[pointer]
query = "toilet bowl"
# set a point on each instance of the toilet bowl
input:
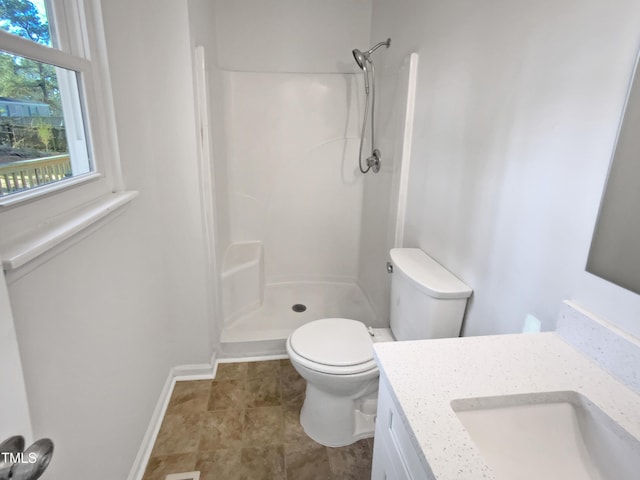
(335, 355)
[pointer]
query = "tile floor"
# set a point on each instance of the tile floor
(244, 425)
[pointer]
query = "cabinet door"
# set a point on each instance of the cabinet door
(388, 463)
(386, 466)
(394, 455)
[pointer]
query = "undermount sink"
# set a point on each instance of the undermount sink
(552, 435)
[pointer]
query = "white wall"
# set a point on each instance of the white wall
(516, 114)
(14, 414)
(291, 35)
(100, 325)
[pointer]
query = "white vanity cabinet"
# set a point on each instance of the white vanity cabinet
(394, 456)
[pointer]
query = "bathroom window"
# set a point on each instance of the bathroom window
(59, 169)
(43, 140)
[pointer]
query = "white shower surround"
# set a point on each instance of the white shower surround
(292, 146)
(286, 106)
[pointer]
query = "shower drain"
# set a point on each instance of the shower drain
(299, 307)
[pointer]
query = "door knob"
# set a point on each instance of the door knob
(16, 463)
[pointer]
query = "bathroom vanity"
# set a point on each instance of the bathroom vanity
(447, 407)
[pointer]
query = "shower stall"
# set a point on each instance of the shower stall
(281, 103)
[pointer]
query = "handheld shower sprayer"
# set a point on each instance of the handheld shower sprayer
(362, 59)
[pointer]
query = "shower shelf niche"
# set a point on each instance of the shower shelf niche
(242, 279)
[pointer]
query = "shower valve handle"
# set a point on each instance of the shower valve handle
(373, 162)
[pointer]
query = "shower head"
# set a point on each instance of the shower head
(362, 59)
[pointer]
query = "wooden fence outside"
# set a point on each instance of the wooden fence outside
(25, 174)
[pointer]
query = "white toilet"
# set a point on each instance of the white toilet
(335, 355)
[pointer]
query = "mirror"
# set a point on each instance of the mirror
(615, 247)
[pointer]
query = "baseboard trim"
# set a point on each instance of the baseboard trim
(182, 372)
(184, 476)
(204, 371)
(253, 358)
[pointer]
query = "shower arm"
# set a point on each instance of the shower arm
(386, 43)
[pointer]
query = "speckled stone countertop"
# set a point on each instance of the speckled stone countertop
(427, 375)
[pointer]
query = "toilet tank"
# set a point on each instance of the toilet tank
(427, 301)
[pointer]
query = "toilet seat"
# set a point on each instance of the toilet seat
(338, 346)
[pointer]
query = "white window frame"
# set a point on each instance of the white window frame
(31, 218)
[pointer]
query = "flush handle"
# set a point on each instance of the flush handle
(389, 267)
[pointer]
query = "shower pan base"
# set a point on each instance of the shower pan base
(264, 331)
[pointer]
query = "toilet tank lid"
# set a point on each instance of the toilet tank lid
(427, 274)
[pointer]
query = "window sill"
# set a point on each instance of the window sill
(74, 225)
(46, 190)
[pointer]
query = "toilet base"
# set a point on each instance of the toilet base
(336, 421)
